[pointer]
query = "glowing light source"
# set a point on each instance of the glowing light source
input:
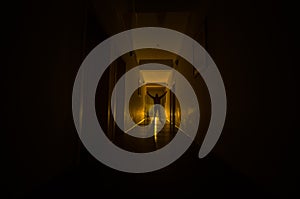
(155, 129)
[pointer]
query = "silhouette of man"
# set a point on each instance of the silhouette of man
(156, 100)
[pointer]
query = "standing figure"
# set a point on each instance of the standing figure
(157, 100)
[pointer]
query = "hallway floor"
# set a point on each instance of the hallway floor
(188, 177)
(157, 141)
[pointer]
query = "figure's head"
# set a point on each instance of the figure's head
(156, 95)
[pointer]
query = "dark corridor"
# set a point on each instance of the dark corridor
(252, 43)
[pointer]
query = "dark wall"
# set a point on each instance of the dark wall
(43, 53)
(254, 46)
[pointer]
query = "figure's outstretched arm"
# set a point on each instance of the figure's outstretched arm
(163, 95)
(150, 95)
